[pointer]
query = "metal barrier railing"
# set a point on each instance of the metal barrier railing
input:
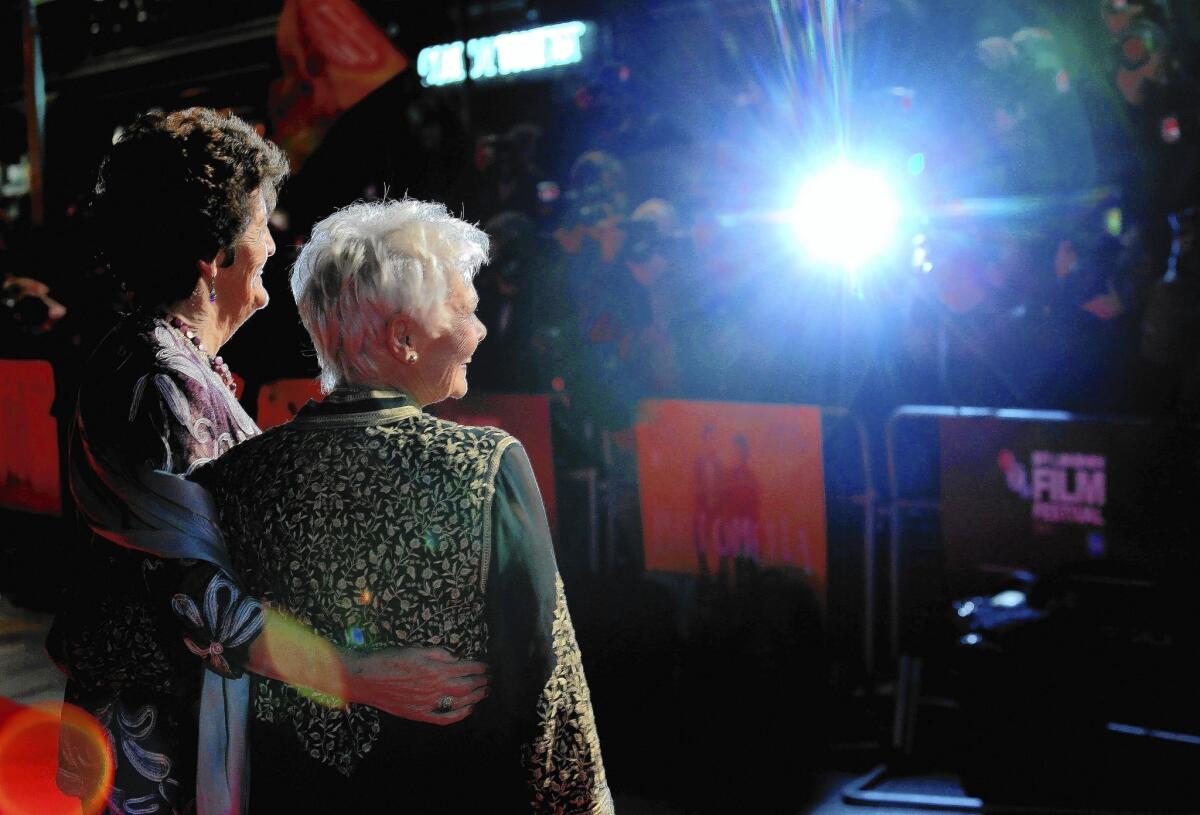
(848, 484)
(899, 502)
(866, 499)
(1001, 497)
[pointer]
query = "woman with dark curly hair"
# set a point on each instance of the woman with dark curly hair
(183, 201)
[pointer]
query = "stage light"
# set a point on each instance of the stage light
(846, 215)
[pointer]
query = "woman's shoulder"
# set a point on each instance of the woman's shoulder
(259, 456)
(174, 357)
(144, 378)
(481, 434)
(116, 369)
(140, 345)
(460, 445)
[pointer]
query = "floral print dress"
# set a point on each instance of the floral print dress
(135, 632)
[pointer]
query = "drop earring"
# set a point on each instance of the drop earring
(212, 290)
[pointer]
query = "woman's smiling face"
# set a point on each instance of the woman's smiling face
(240, 290)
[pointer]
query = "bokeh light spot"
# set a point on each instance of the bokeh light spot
(1113, 222)
(1171, 131)
(29, 749)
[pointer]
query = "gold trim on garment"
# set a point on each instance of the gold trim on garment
(564, 760)
(348, 394)
(493, 470)
(369, 418)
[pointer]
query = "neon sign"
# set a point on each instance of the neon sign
(514, 52)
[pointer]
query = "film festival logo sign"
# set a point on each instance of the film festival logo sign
(1063, 488)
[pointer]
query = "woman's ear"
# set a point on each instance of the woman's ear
(208, 268)
(396, 338)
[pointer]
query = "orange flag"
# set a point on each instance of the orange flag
(332, 56)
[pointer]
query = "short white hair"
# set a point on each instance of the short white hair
(372, 260)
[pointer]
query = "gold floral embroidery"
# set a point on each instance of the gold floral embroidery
(564, 762)
(373, 536)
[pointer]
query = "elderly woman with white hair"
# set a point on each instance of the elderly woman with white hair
(378, 524)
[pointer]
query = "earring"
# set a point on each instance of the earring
(212, 290)
(411, 358)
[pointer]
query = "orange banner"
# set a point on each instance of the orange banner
(721, 481)
(525, 416)
(332, 55)
(280, 400)
(29, 465)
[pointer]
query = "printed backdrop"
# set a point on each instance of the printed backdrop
(1038, 494)
(723, 480)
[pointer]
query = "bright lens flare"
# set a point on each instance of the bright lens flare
(846, 215)
(302, 659)
(31, 739)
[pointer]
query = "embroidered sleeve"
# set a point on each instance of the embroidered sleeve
(537, 673)
(565, 768)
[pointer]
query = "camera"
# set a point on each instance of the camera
(587, 205)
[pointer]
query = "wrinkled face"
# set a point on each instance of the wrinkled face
(445, 342)
(240, 290)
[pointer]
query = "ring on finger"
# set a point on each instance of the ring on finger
(445, 704)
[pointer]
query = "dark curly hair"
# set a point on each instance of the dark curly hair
(175, 189)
